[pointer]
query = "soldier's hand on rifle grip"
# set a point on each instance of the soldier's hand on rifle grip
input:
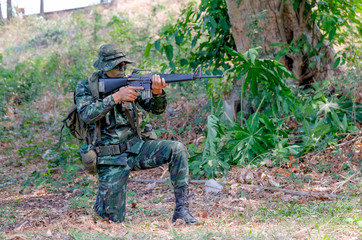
(128, 94)
(158, 84)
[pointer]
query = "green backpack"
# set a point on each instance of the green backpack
(76, 126)
(81, 131)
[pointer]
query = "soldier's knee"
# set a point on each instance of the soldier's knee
(179, 147)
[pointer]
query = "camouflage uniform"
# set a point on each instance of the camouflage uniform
(113, 171)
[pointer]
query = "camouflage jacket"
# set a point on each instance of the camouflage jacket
(115, 126)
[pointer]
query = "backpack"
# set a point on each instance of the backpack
(76, 126)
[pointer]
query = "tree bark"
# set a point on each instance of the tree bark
(2, 20)
(263, 22)
(41, 7)
(9, 9)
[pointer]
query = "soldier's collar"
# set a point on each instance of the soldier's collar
(102, 75)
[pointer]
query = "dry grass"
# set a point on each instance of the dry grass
(16, 38)
(39, 214)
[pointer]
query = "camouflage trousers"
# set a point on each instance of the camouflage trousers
(112, 187)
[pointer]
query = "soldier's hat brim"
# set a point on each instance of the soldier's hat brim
(109, 64)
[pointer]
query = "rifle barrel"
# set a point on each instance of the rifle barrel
(211, 76)
(170, 78)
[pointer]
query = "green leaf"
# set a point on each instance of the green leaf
(169, 52)
(331, 34)
(296, 5)
(193, 43)
(234, 53)
(184, 62)
(212, 139)
(247, 80)
(344, 123)
(179, 40)
(255, 122)
(276, 44)
(213, 22)
(253, 54)
(254, 84)
(148, 49)
(224, 24)
(307, 128)
(158, 45)
(336, 120)
(336, 63)
(319, 45)
(204, 3)
(359, 8)
(279, 55)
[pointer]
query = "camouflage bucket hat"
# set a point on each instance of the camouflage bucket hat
(110, 55)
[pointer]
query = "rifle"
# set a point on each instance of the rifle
(109, 85)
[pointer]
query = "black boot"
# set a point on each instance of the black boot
(182, 206)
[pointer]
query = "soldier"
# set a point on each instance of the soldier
(119, 147)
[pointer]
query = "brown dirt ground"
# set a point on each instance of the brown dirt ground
(50, 215)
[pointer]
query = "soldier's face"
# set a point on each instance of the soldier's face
(118, 71)
(122, 67)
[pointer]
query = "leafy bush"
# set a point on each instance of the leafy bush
(319, 118)
(198, 38)
(319, 115)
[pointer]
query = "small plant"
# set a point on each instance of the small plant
(355, 220)
(80, 202)
(131, 197)
(8, 214)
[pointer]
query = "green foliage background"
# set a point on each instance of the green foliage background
(323, 113)
(59, 54)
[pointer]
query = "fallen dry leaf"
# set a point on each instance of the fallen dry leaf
(179, 222)
(204, 214)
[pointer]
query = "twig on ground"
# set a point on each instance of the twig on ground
(332, 147)
(161, 181)
(344, 143)
(344, 182)
(257, 187)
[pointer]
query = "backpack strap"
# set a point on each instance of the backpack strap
(94, 88)
(61, 135)
(64, 121)
(134, 125)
